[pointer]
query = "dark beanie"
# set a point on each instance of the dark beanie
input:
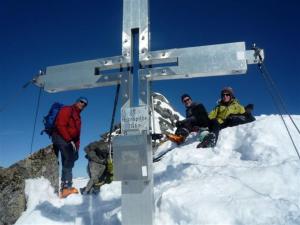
(228, 90)
(184, 96)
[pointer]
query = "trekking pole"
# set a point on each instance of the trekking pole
(113, 120)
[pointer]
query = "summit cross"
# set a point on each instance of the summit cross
(133, 149)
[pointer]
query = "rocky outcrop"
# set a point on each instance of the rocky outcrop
(167, 115)
(12, 182)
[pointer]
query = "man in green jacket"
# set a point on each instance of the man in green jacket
(227, 113)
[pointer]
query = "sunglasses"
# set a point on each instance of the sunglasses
(83, 102)
(226, 94)
(186, 100)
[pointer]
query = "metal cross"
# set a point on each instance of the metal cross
(132, 149)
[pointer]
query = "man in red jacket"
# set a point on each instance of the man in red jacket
(66, 138)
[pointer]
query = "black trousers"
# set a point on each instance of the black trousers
(215, 126)
(187, 126)
(68, 158)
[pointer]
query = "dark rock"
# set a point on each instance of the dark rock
(12, 182)
(168, 115)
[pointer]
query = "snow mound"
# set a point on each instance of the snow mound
(250, 177)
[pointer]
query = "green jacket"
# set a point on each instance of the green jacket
(222, 111)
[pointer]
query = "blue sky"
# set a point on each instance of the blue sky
(36, 34)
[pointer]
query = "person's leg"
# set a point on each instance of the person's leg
(234, 121)
(215, 127)
(68, 157)
(67, 164)
(210, 139)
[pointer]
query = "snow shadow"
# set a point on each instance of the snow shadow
(171, 173)
(91, 211)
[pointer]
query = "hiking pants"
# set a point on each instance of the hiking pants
(68, 157)
(215, 126)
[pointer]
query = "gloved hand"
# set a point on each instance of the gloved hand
(73, 146)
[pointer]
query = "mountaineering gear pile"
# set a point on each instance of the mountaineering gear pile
(110, 168)
(49, 119)
(100, 167)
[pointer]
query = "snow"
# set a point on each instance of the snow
(250, 177)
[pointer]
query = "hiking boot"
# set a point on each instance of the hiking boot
(208, 141)
(178, 139)
(65, 192)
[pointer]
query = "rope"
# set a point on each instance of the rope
(275, 94)
(279, 96)
(14, 97)
(113, 119)
(35, 119)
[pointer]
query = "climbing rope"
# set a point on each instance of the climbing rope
(276, 96)
(35, 119)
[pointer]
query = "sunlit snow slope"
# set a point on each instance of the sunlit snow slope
(251, 177)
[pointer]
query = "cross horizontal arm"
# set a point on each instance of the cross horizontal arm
(211, 60)
(81, 75)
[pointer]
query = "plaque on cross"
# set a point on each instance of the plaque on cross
(132, 149)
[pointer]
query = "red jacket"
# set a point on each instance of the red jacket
(68, 124)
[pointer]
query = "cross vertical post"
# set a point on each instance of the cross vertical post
(133, 149)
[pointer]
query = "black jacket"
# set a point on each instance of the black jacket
(196, 115)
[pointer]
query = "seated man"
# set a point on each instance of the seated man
(196, 116)
(97, 154)
(227, 113)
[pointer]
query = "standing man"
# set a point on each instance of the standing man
(66, 138)
(196, 117)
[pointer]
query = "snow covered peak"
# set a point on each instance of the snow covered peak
(250, 177)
